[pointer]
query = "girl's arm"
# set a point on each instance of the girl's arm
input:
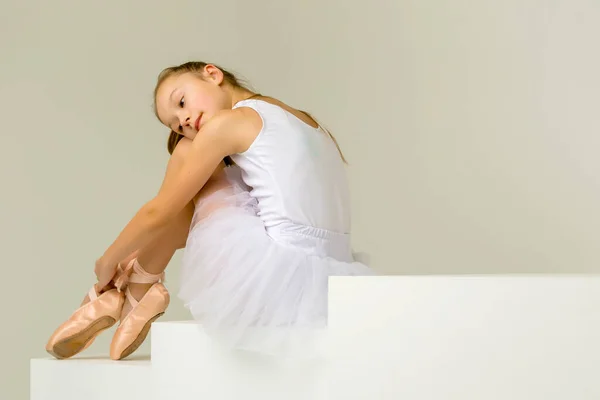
(227, 133)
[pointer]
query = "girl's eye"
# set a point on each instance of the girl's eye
(182, 102)
(180, 129)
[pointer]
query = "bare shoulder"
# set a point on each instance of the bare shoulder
(240, 126)
(183, 148)
(180, 153)
(235, 129)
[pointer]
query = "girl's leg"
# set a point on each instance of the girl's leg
(155, 257)
(153, 298)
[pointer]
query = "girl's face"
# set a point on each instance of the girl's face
(185, 102)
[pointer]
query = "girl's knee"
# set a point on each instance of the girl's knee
(181, 151)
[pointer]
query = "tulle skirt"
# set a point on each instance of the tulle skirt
(250, 291)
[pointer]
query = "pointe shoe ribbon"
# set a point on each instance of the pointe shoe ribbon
(135, 325)
(134, 273)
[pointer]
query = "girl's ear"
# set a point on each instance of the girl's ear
(213, 74)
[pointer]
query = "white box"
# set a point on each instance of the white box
(91, 378)
(188, 365)
(416, 337)
(465, 337)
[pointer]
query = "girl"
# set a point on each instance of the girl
(136, 308)
(263, 241)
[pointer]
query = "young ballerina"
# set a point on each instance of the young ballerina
(256, 269)
(102, 307)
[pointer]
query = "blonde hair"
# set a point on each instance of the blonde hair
(196, 67)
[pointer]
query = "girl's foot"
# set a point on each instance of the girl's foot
(146, 300)
(138, 291)
(97, 313)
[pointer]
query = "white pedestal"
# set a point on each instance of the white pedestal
(188, 365)
(389, 338)
(91, 379)
(465, 338)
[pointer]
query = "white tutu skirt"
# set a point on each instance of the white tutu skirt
(248, 290)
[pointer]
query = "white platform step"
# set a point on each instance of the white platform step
(417, 338)
(188, 365)
(85, 378)
(465, 337)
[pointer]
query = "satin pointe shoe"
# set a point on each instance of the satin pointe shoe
(134, 326)
(86, 323)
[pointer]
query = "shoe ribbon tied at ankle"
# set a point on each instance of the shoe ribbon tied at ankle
(134, 273)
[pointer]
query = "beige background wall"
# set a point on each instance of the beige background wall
(472, 130)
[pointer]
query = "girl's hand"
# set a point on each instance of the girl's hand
(104, 272)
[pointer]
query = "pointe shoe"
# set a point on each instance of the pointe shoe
(86, 323)
(134, 327)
